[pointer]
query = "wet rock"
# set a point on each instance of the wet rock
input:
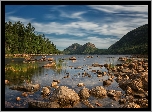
(106, 65)
(63, 95)
(54, 84)
(24, 94)
(106, 82)
(122, 101)
(84, 93)
(129, 90)
(18, 98)
(40, 104)
(6, 82)
(104, 73)
(122, 58)
(115, 95)
(143, 102)
(125, 65)
(132, 66)
(26, 87)
(98, 91)
(139, 95)
(87, 103)
(99, 75)
(72, 58)
(131, 105)
(95, 64)
(67, 76)
(45, 91)
(98, 104)
(99, 72)
(80, 84)
(136, 84)
(79, 67)
(111, 79)
(58, 81)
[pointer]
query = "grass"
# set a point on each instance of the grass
(23, 67)
(59, 65)
(18, 73)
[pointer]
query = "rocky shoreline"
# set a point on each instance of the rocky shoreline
(131, 75)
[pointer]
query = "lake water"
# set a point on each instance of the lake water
(45, 76)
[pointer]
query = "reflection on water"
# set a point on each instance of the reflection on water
(45, 76)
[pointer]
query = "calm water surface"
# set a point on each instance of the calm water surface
(45, 76)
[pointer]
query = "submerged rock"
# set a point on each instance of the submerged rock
(40, 104)
(26, 87)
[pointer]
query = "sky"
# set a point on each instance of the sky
(64, 25)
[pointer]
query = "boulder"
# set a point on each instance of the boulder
(98, 91)
(84, 93)
(65, 96)
(45, 91)
(26, 87)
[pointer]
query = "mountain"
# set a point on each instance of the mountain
(134, 42)
(76, 48)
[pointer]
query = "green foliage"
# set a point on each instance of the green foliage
(22, 39)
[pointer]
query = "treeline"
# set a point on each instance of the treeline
(21, 39)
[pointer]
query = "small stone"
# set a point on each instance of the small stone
(80, 84)
(18, 98)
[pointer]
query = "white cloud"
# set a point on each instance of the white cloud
(16, 19)
(120, 8)
(101, 43)
(76, 15)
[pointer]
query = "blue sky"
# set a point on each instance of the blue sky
(64, 25)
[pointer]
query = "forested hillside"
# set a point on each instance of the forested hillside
(134, 42)
(22, 39)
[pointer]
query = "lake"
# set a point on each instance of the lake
(45, 76)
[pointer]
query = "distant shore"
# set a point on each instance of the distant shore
(27, 55)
